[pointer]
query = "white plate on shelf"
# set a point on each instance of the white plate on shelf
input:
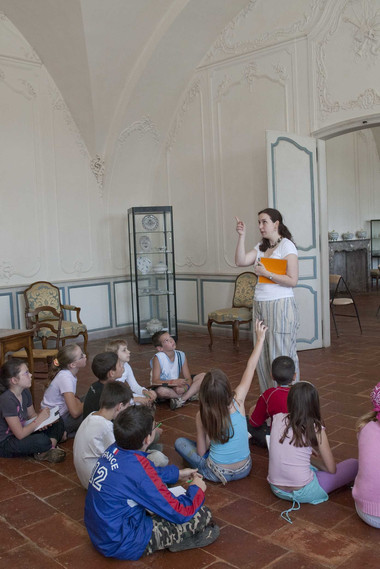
(144, 265)
(150, 222)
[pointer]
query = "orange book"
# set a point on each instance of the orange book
(277, 266)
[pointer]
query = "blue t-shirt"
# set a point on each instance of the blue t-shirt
(237, 448)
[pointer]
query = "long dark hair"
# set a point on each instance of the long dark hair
(283, 231)
(215, 398)
(10, 369)
(304, 417)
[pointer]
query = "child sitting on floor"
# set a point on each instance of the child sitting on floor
(95, 434)
(62, 388)
(16, 407)
(302, 468)
(221, 451)
(272, 401)
(168, 365)
(366, 491)
(106, 367)
(125, 485)
(141, 395)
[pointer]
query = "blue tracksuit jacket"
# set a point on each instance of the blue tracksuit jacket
(122, 486)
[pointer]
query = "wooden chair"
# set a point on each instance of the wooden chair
(44, 311)
(341, 296)
(241, 310)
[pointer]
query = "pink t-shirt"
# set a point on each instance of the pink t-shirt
(366, 490)
(288, 465)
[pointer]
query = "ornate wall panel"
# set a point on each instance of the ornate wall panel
(20, 172)
(187, 300)
(128, 184)
(346, 62)
(186, 175)
(263, 23)
(250, 96)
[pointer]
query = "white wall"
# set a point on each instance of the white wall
(296, 66)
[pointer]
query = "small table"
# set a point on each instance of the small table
(13, 340)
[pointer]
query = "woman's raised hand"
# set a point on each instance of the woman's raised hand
(240, 226)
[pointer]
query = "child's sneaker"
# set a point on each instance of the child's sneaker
(52, 455)
(194, 397)
(176, 403)
(201, 539)
(158, 458)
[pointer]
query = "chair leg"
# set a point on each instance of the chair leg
(378, 310)
(209, 324)
(357, 316)
(333, 317)
(235, 327)
(85, 340)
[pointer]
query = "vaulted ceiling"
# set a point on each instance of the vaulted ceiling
(105, 55)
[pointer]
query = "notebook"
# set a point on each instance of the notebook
(277, 266)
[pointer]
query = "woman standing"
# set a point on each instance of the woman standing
(274, 302)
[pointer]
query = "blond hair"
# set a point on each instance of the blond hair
(115, 344)
(365, 419)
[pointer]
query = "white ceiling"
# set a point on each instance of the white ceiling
(112, 58)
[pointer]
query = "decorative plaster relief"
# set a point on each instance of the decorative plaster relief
(26, 89)
(249, 75)
(227, 45)
(97, 167)
(142, 127)
(7, 270)
(189, 98)
(59, 105)
(365, 21)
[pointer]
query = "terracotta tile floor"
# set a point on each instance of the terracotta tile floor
(41, 506)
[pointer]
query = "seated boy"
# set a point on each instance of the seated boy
(141, 395)
(167, 367)
(125, 484)
(272, 401)
(106, 367)
(95, 434)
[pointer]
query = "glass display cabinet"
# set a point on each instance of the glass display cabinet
(375, 242)
(151, 254)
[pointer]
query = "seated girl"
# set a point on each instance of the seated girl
(221, 452)
(302, 468)
(16, 407)
(61, 391)
(366, 491)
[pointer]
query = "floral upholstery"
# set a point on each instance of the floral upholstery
(244, 289)
(41, 295)
(68, 330)
(231, 314)
(241, 310)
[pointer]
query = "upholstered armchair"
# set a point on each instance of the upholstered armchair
(241, 310)
(44, 311)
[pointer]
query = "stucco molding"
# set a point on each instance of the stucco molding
(7, 270)
(190, 96)
(22, 87)
(59, 105)
(97, 166)
(141, 128)
(227, 45)
(356, 14)
(251, 73)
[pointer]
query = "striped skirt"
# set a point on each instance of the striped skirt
(282, 318)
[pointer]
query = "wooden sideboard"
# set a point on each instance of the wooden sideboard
(351, 259)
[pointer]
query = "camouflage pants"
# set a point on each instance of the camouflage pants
(165, 533)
